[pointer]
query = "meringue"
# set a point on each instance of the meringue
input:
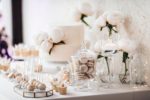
(57, 35)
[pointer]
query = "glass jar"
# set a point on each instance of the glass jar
(83, 67)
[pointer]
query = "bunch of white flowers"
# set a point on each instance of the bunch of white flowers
(46, 42)
(110, 20)
(84, 10)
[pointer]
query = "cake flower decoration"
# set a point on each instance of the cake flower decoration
(48, 41)
(84, 10)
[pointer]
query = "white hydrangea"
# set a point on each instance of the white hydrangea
(46, 45)
(57, 35)
(86, 9)
(40, 38)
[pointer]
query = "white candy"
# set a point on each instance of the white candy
(86, 9)
(40, 38)
(57, 35)
(46, 45)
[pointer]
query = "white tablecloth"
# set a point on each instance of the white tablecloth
(141, 93)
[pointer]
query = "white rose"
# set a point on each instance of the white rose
(100, 22)
(110, 46)
(98, 46)
(86, 8)
(127, 45)
(57, 35)
(114, 18)
(77, 15)
(46, 45)
(40, 38)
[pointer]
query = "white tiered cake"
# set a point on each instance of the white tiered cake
(74, 36)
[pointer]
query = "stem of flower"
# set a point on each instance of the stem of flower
(106, 59)
(82, 19)
(125, 57)
(61, 42)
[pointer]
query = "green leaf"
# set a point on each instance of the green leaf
(99, 56)
(82, 19)
(59, 43)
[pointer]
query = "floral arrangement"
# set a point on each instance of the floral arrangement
(48, 41)
(84, 10)
(109, 20)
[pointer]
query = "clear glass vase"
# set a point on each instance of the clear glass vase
(103, 72)
(125, 74)
(137, 70)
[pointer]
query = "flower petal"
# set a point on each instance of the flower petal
(86, 9)
(40, 37)
(100, 22)
(57, 35)
(114, 18)
(46, 45)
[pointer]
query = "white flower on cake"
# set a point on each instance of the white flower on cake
(40, 38)
(57, 35)
(84, 10)
(110, 20)
(48, 42)
(46, 45)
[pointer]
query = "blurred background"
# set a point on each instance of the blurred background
(25, 18)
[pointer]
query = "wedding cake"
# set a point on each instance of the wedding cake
(73, 38)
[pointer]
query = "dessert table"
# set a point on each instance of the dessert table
(140, 93)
